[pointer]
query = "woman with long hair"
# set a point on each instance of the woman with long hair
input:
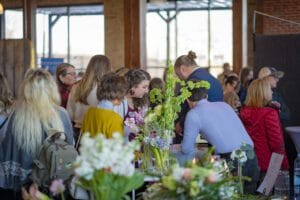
(246, 77)
(37, 112)
(137, 97)
(65, 78)
(6, 99)
(83, 93)
(230, 96)
(262, 124)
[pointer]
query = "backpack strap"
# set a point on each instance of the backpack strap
(78, 141)
(54, 134)
(3, 122)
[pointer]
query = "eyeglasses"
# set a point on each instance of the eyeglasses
(72, 73)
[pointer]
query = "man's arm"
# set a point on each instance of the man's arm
(191, 131)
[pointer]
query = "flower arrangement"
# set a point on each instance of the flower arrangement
(105, 167)
(241, 157)
(206, 179)
(134, 122)
(157, 129)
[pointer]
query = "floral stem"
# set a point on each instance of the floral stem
(62, 196)
(240, 174)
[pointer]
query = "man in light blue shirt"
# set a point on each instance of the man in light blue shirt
(219, 125)
(216, 122)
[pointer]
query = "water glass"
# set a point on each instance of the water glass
(282, 185)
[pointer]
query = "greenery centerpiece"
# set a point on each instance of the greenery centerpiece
(208, 178)
(105, 167)
(157, 130)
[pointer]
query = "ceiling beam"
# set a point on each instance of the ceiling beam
(9, 4)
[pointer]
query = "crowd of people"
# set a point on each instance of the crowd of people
(235, 110)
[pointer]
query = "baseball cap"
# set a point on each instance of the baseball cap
(270, 71)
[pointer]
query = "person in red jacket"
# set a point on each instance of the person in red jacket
(262, 124)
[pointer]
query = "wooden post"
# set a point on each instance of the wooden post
(29, 21)
(125, 32)
(237, 14)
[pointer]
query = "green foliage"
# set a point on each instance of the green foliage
(106, 186)
(168, 103)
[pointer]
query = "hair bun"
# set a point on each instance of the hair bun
(192, 55)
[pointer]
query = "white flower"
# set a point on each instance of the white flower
(226, 192)
(101, 153)
(177, 173)
(84, 170)
(239, 155)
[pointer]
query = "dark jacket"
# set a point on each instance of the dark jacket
(264, 127)
(215, 93)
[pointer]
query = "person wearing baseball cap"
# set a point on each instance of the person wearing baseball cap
(271, 74)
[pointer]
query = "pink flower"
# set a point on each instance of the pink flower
(57, 187)
(187, 174)
(213, 177)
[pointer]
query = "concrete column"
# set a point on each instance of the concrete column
(125, 32)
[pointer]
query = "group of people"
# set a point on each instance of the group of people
(256, 122)
(103, 99)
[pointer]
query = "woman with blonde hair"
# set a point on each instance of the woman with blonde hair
(6, 100)
(37, 112)
(262, 124)
(83, 93)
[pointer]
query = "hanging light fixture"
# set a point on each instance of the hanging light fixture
(1, 9)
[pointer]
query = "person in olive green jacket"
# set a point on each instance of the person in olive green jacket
(102, 119)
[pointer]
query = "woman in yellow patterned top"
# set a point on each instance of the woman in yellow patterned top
(102, 119)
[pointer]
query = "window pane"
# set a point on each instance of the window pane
(192, 35)
(13, 24)
(60, 38)
(221, 39)
(156, 44)
(85, 44)
(42, 35)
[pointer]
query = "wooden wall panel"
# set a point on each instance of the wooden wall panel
(16, 56)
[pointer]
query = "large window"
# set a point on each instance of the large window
(212, 48)
(84, 39)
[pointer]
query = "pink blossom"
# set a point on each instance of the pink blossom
(57, 187)
(187, 174)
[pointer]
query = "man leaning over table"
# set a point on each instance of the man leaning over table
(220, 126)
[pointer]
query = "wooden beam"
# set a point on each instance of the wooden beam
(134, 39)
(125, 32)
(9, 4)
(29, 21)
(237, 14)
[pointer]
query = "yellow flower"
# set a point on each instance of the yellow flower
(149, 118)
(194, 189)
(158, 110)
(169, 182)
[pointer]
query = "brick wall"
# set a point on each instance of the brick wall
(286, 9)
